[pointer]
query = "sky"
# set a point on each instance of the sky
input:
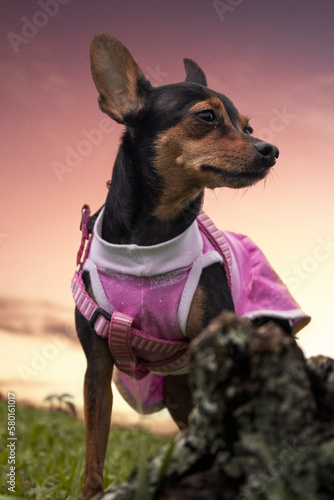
(274, 60)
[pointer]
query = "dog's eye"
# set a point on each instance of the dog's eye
(207, 116)
(248, 130)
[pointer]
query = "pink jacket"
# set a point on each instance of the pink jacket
(151, 289)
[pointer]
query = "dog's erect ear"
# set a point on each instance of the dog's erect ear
(117, 78)
(194, 73)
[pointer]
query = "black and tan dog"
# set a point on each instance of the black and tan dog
(179, 139)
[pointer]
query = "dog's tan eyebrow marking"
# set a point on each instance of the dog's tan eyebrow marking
(214, 103)
(244, 122)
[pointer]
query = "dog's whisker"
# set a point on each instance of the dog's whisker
(244, 192)
(273, 172)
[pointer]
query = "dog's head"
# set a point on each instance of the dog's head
(192, 136)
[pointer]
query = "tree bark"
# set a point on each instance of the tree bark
(262, 427)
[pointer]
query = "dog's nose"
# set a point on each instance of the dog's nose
(269, 152)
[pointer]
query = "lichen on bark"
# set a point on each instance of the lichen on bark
(262, 427)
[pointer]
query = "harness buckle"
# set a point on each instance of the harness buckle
(95, 315)
(84, 211)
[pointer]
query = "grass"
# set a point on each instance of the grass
(50, 454)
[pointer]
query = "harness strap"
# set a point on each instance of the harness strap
(124, 339)
(216, 238)
(119, 342)
(85, 236)
(98, 319)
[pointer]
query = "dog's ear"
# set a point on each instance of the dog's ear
(117, 78)
(194, 73)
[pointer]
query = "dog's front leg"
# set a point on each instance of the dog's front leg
(98, 404)
(177, 398)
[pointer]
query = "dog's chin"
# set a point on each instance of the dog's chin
(236, 180)
(246, 180)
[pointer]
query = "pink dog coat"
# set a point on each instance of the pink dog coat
(147, 293)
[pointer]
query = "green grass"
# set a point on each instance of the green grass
(50, 454)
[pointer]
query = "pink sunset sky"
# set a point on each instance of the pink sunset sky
(274, 60)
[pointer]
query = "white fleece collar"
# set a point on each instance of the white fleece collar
(137, 260)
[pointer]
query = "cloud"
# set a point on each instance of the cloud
(30, 317)
(37, 85)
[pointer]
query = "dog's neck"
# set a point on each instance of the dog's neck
(133, 196)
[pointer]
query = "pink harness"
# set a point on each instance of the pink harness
(144, 294)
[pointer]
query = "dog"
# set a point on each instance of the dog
(168, 276)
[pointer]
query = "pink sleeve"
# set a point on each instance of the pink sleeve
(256, 288)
